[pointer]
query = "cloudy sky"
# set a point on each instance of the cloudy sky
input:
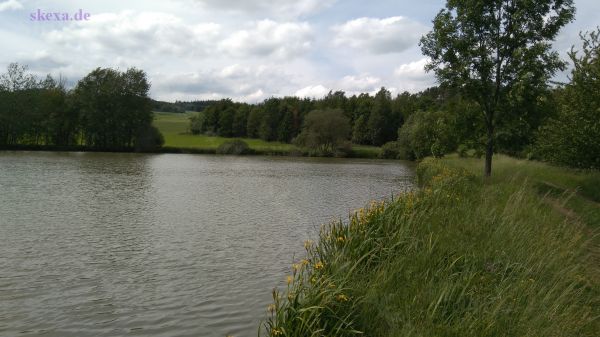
(244, 49)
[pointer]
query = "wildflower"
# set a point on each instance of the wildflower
(308, 244)
(304, 262)
(319, 265)
(296, 267)
(331, 285)
(342, 298)
(271, 308)
(341, 239)
(289, 280)
(276, 332)
(313, 279)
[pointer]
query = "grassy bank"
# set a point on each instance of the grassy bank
(514, 256)
(175, 129)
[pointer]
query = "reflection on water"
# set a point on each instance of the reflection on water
(163, 245)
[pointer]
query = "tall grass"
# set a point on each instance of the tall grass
(457, 258)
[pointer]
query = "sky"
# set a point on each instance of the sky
(244, 50)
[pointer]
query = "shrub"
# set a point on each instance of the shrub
(394, 150)
(426, 132)
(149, 139)
(463, 151)
(325, 133)
(234, 147)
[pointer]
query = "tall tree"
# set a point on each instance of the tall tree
(486, 48)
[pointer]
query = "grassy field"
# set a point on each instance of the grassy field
(175, 129)
(516, 255)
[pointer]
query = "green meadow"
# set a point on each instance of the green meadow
(175, 130)
(516, 255)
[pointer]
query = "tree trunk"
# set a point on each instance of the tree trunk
(489, 150)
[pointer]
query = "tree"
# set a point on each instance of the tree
(486, 48)
(115, 109)
(324, 131)
(381, 128)
(254, 121)
(573, 137)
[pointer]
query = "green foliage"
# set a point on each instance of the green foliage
(394, 150)
(427, 133)
(457, 258)
(234, 147)
(573, 137)
(373, 119)
(113, 105)
(107, 109)
(35, 112)
(491, 50)
(149, 139)
(325, 132)
(197, 124)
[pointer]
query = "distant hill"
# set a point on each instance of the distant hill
(180, 107)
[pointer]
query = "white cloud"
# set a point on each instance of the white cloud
(129, 33)
(270, 38)
(412, 76)
(359, 83)
(10, 5)
(316, 91)
(413, 70)
(380, 36)
(239, 82)
(285, 8)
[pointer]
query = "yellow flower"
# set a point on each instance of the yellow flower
(342, 298)
(308, 244)
(319, 265)
(289, 280)
(276, 332)
(296, 267)
(304, 262)
(271, 308)
(341, 239)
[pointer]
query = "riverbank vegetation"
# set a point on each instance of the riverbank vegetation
(462, 256)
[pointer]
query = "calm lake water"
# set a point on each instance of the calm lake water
(163, 245)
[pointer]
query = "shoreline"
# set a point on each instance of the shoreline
(174, 150)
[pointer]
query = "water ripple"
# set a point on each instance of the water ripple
(162, 245)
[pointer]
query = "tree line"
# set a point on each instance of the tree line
(181, 106)
(374, 119)
(106, 110)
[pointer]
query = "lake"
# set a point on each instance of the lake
(163, 245)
